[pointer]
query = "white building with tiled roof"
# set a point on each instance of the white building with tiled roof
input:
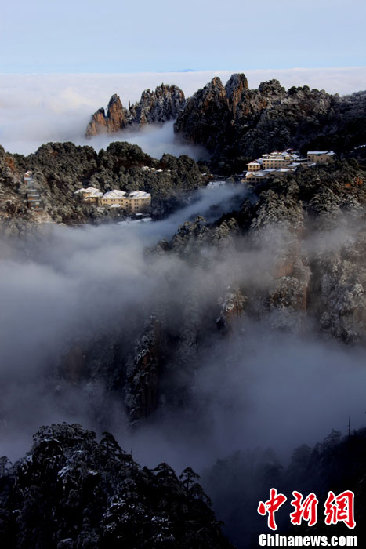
(90, 194)
(138, 201)
(254, 166)
(114, 197)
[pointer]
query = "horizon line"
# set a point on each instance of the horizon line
(181, 71)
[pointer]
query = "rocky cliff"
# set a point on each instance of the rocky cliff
(114, 121)
(237, 123)
(156, 106)
(294, 257)
(290, 225)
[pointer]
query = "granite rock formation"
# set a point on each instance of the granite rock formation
(156, 106)
(237, 123)
(114, 121)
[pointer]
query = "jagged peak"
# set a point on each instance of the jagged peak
(215, 82)
(271, 87)
(157, 105)
(115, 103)
(237, 80)
(114, 98)
(99, 111)
(161, 90)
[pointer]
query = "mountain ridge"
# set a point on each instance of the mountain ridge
(156, 106)
(236, 123)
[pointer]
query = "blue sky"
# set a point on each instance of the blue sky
(162, 35)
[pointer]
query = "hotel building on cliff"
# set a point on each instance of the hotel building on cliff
(134, 202)
(278, 164)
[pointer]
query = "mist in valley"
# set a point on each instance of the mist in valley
(253, 387)
(63, 285)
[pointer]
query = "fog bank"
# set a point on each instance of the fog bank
(253, 387)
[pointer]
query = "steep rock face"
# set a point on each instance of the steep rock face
(72, 491)
(159, 105)
(114, 121)
(214, 114)
(142, 379)
(339, 278)
(235, 89)
(346, 125)
(236, 123)
(306, 236)
(315, 275)
(279, 224)
(204, 114)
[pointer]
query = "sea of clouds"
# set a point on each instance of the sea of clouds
(39, 108)
(251, 388)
